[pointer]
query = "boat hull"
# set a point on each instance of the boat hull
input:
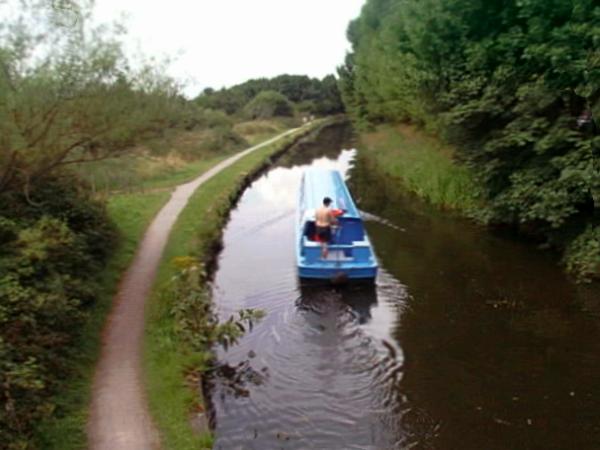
(350, 254)
(337, 273)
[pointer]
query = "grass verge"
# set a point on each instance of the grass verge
(422, 165)
(171, 366)
(66, 430)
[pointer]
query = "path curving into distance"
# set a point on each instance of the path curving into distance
(119, 417)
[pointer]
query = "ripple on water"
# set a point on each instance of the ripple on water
(492, 349)
(323, 361)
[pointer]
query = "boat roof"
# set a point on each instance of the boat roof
(320, 183)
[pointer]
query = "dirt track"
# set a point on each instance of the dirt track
(119, 417)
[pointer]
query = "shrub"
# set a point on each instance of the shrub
(269, 104)
(205, 118)
(192, 309)
(582, 256)
(513, 85)
(223, 140)
(52, 246)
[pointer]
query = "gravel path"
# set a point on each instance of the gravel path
(119, 417)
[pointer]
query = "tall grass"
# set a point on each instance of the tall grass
(140, 174)
(176, 157)
(423, 165)
(256, 131)
(179, 160)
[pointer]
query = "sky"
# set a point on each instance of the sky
(220, 43)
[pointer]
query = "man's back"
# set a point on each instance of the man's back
(324, 217)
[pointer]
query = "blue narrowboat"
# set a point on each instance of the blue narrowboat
(350, 253)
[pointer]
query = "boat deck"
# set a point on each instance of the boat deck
(350, 252)
(337, 256)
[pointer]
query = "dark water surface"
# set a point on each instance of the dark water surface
(467, 340)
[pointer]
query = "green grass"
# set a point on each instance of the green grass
(423, 165)
(133, 173)
(167, 360)
(66, 431)
(256, 131)
(181, 175)
(174, 158)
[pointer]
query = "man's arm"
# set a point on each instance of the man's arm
(332, 218)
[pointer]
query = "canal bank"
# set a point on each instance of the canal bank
(422, 165)
(173, 364)
(468, 340)
(425, 166)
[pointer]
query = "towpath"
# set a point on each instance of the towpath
(119, 417)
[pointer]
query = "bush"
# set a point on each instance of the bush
(192, 309)
(511, 84)
(52, 246)
(269, 104)
(582, 256)
(323, 96)
(223, 140)
(206, 118)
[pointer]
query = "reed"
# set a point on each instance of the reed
(422, 165)
(176, 157)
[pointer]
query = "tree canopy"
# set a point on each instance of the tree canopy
(268, 104)
(510, 83)
(311, 94)
(68, 95)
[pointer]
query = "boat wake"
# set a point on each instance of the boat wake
(374, 218)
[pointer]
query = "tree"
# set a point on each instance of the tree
(504, 81)
(67, 95)
(269, 104)
(310, 94)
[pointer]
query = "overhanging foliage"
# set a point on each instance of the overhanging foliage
(514, 85)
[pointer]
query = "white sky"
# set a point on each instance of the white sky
(225, 42)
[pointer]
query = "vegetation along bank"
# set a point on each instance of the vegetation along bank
(90, 148)
(181, 327)
(513, 86)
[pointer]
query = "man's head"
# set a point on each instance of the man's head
(327, 201)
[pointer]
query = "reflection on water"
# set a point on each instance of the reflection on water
(358, 299)
(326, 357)
(467, 340)
(501, 350)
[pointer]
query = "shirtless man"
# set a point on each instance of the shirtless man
(324, 221)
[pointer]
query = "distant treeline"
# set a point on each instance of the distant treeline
(308, 95)
(513, 84)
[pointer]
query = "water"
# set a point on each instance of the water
(467, 340)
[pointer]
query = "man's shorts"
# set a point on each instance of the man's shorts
(324, 234)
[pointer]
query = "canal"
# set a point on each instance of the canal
(468, 340)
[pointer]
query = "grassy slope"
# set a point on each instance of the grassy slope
(256, 131)
(131, 213)
(425, 167)
(167, 360)
(173, 159)
(422, 165)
